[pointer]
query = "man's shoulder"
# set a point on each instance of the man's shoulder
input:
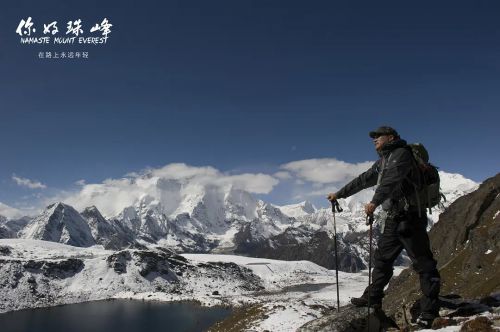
(401, 153)
(402, 149)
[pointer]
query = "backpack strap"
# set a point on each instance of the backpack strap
(417, 196)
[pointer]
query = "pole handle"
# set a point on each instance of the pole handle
(369, 219)
(336, 206)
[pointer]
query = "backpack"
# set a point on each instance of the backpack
(429, 194)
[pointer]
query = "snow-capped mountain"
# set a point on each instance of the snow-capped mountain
(109, 234)
(310, 235)
(206, 218)
(5, 232)
(453, 186)
(290, 293)
(145, 219)
(60, 223)
(298, 210)
(9, 228)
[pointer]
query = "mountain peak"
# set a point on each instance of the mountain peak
(91, 208)
(92, 211)
(455, 181)
(57, 206)
(308, 206)
(298, 210)
(60, 222)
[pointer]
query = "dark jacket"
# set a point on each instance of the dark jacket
(397, 175)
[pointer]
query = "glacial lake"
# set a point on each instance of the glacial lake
(114, 315)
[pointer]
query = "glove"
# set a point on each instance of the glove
(331, 197)
(370, 208)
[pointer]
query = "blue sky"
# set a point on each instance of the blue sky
(246, 87)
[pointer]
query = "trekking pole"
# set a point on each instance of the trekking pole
(369, 221)
(335, 205)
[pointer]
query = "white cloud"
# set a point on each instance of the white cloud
(282, 175)
(9, 211)
(254, 183)
(313, 179)
(24, 182)
(301, 196)
(312, 191)
(305, 179)
(183, 171)
(80, 182)
(166, 184)
(32, 196)
(326, 170)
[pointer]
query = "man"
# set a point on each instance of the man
(398, 178)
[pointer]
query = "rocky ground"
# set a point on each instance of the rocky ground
(457, 314)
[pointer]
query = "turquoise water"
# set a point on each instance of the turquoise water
(114, 315)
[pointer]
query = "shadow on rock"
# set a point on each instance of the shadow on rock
(351, 319)
(455, 306)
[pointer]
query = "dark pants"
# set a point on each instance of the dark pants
(416, 244)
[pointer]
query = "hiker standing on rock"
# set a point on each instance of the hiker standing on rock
(399, 181)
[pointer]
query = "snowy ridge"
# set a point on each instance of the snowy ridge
(66, 274)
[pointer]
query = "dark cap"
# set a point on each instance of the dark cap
(384, 130)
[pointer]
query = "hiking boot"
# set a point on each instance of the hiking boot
(363, 302)
(424, 320)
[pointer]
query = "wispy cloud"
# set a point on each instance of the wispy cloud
(9, 211)
(283, 175)
(80, 182)
(326, 170)
(313, 179)
(24, 182)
